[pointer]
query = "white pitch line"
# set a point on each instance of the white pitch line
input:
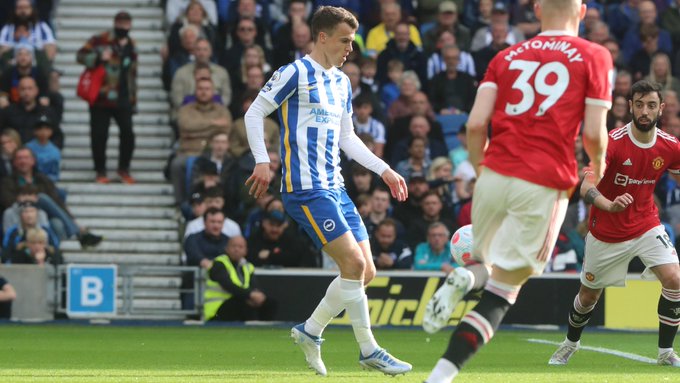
(626, 355)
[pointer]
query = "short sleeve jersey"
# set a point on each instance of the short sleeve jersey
(543, 87)
(311, 102)
(635, 168)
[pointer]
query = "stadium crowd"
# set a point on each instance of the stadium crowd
(414, 72)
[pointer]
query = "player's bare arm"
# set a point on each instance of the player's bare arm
(593, 196)
(595, 138)
(478, 124)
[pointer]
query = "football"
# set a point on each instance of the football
(461, 246)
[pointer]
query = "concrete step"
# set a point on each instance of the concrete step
(143, 106)
(153, 282)
(142, 47)
(120, 200)
(122, 259)
(122, 212)
(112, 153)
(112, 247)
(75, 70)
(85, 164)
(142, 82)
(72, 130)
(137, 119)
(69, 93)
(139, 235)
(123, 4)
(78, 11)
(97, 224)
(136, 189)
(151, 176)
(153, 304)
(98, 24)
(144, 60)
(83, 34)
(140, 142)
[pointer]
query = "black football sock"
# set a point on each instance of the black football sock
(578, 319)
(669, 316)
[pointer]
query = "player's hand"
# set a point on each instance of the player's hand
(620, 203)
(256, 298)
(396, 184)
(206, 264)
(259, 180)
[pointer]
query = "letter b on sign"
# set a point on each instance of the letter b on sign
(91, 290)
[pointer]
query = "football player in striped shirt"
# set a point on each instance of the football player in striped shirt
(314, 103)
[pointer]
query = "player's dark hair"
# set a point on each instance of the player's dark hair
(644, 87)
(326, 18)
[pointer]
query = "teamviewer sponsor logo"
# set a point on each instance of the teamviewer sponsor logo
(621, 179)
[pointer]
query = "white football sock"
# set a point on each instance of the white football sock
(330, 306)
(356, 304)
(443, 372)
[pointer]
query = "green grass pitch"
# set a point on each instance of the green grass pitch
(77, 353)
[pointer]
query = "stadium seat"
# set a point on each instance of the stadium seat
(188, 175)
(427, 26)
(451, 123)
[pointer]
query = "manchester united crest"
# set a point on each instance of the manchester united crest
(657, 163)
(590, 277)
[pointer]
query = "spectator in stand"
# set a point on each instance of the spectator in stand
(525, 19)
(499, 14)
(599, 32)
(249, 9)
(175, 8)
(23, 67)
(182, 55)
(417, 161)
(117, 96)
(283, 36)
(632, 40)
(441, 180)
(10, 141)
(254, 78)
(622, 83)
(672, 127)
(619, 114)
(359, 181)
(362, 89)
(253, 56)
(451, 91)
(29, 194)
(14, 242)
(621, 16)
(615, 51)
(420, 106)
(390, 252)
(660, 73)
(184, 81)
(447, 20)
(365, 123)
(670, 98)
(197, 122)
(266, 203)
(213, 198)
(641, 61)
(246, 33)
(7, 295)
(419, 127)
(215, 156)
(403, 49)
(409, 85)
(23, 115)
(24, 173)
(231, 292)
(195, 14)
(200, 71)
(24, 26)
(410, 210)
(300, 37)
(47, 154)
(369, 67)
(389, 91)
(435, 253)
(436, 64)
(274, 245)
(433, 211)
(499, 36)
(477, 14)
(670, 21)
(238, 140)
(592, 16)
(381, 208)
(34, 248)
(378, 37)
(204, 246)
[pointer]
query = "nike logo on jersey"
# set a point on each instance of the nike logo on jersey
(627, 162)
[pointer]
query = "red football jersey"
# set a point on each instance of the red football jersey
(633, 168)
(543, 87)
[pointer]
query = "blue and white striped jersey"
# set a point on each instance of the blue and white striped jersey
(40, 34)
(311, 102)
